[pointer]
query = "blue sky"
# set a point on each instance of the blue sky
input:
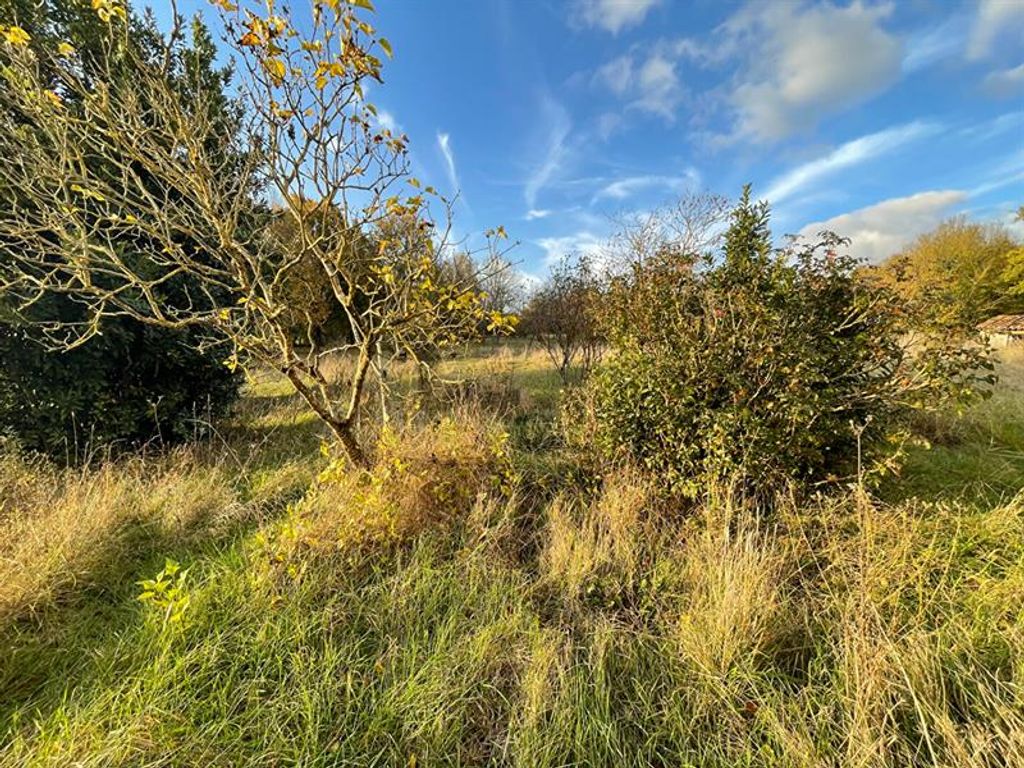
(876, 119)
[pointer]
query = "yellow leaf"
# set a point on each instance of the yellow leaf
(225, 5)
(363, 4)
(16, 36)
(276, 69)
(66, 49)
(106, 9)
(386, 47)
(312, 45)
(276, 24)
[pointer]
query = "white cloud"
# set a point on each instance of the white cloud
(621, 189)
(386, 120)
(584, 242)
(881, 230)
(537, 213)
(1005, 82)
(557, 128)
(651, 85)
(617, 74)
(935, 43)
(846, 155)
(445, 145)
(995, 18)
(658, 86)
(803, 63)
(613, 15)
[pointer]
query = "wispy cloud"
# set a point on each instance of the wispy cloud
(883, 229)
(1005, 82)
(846, 155)
(1005, 172)
(444, 143)
(935, 43)
(558, 125)
(537, 213)
(620, 189)
(989, 129)
(611, 15)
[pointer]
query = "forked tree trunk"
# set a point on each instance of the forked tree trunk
(343, 429)
(346, 436)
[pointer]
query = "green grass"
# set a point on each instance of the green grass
(489, 611)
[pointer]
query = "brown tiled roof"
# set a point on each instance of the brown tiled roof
(1003, 324)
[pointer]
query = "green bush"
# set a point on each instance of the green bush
(132, 384)
(770, 367)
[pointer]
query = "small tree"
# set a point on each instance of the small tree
(962, 269)
(145, 158)
(562, 316)
(1015, 261)
(769, 366)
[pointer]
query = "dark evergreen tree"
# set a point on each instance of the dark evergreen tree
(132, 383)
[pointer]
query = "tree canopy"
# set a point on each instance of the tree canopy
(101, 159)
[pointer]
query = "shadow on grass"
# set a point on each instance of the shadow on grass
(68, 646)
(978, 475)
(65, 644)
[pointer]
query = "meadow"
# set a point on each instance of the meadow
(475, 599)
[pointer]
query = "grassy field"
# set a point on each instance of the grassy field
(475, 600)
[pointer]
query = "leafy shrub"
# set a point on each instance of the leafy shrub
(132, 384)
(773, 367)
(423, 477)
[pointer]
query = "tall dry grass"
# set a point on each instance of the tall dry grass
(436, 610)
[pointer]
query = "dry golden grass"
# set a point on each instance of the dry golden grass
(733, 574)
(585, 543)
(62, 527)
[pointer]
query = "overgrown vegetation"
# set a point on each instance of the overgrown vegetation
(443, 610)
(563, 317)
(764, 367)
(386, 556)
(206, 196)
(133, 383)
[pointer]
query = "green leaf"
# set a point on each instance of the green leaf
(386, 47)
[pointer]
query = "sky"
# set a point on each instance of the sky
(551, 117)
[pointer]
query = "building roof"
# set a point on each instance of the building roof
(1003, 324)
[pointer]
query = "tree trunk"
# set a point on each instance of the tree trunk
(343, 429)
(354, 452)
